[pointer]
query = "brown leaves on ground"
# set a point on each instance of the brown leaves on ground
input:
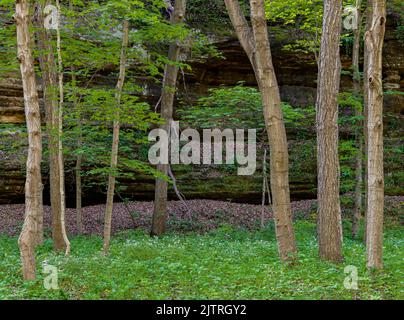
(198, 215)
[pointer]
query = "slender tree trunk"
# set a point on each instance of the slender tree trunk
(115, 140)
(167, 102)
(264, 186)
(358, 132)
(60, 135)
(39, 226)
(79, 157)
(49, 84)
(255, 43)
(365, 110)
(374, 39)
(329, 211)
(33, 184)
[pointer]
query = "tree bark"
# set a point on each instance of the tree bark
(79, 157)
(115, 139)
(60, 133)
(167, 102)
(358, 133)
(256, 44)
(329, 211)
(374, 38)
(49, 84)
(279, 160)
(33, 185)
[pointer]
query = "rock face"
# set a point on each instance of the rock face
(11, 101)
(297, 75)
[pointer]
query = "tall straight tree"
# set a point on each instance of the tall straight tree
(60, 132)
(167, 105)
(255, 43)
(358, 113)
(115, 139)
(374, 39)
(33, 185)
(79, 157)
(49, 84)
(329, 210)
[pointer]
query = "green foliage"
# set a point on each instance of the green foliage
(8, 43)
(351, 124)
(227, 263)
(236, 107)
(210, 15)
(396, 9)
(305, 15)
(91, 45)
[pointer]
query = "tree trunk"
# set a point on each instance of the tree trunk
(79, 157)
(115, 140)
(60, 133)
(49, 84)
(329, 211)
(358, 132)
(374, 38)
(365, 113)
(167, 102)
(256, 45)
(279, 159)
(33, 184)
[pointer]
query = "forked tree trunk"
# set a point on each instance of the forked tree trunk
(60, 134)
(329, 211)
(49, 83)
(358, 133)
(33, 184)
(374, 39)
(167, 102)
(256, 44)
(115, 139)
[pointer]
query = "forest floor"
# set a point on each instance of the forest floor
(195, 216)
(220, 253)
(225, 263)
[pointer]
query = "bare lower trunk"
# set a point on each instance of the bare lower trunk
(167, 101)
(115, 140)
(358, 133)
(374, 38)
(79, 213)
(39, 222)
(79, 158)
(33, 184)
(60, 134)
(329, 211)
(358, 186)
(264, 186)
